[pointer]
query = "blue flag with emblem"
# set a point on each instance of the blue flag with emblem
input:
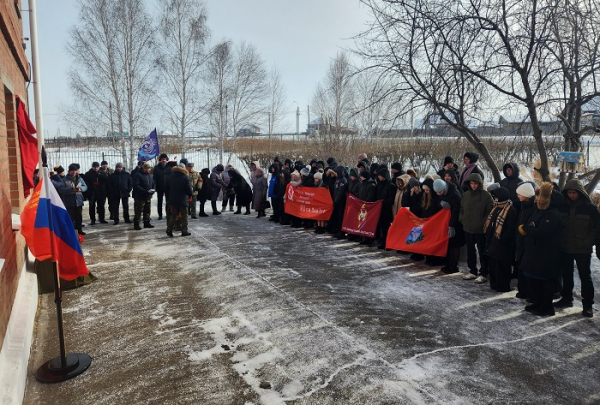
(149, 148)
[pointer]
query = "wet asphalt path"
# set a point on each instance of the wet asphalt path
(245, 311)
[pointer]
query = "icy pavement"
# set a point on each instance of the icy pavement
(245, 311)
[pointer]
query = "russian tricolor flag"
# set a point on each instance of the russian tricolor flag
(49, 232)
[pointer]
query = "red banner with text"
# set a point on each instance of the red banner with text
(361, 217)
(308, 202)
(427, 236)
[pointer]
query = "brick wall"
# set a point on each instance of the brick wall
(14, 72)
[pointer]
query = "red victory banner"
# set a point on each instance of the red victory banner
(427, 236)
(308, 202)
(361, 217)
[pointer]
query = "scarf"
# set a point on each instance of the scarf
(504, 206)
(468, 169)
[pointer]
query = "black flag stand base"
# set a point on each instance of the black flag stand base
(52, 372)
(65, 366)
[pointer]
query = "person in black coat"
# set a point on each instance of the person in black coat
(119, 187)
(541, 250)
(511, 181)
(204, 190)
(386, 191)
(158, 174)
(178, 190)
(143, 189)
(448, 165)
(427, 205)
(338, 195)
(526, 196)
(242, 189)
(97, 183)
(500, 228)
(450, 199)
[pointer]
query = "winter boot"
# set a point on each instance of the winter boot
(169, 232)
(185, 233)
(137, 226)
(239, 210)
(148, 225)
(214, 208)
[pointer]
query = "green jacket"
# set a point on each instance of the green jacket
(475, 207)
(579, 220)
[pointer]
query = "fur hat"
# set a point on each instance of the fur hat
(543, 198)
(163, 156)
(189, 164)
(412, 173)
(59, 169)
(501, 193)
(439, 185)
(318, 175)
(526, 190)
(295, 173)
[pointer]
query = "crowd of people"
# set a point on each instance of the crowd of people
(514, 229)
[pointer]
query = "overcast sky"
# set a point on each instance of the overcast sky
(299, 37)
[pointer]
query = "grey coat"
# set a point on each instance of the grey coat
(260, 190)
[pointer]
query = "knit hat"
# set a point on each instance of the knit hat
(363, 165)
(163, 156)
(59, 169)
(305, 171)
(472, 156)
(119, 164)
(448, 159)
(72, 167)
(147, 166)
(526, 190)
(365, 174)
(501, 193)
(296, 173)
(493, 186)
(439, 185)
(318, 175)
(104, 162)
(413, 182)
(184, 161)
(396, 166)
(95, 164)
(314, 161)
(354, 173)
(219, 167)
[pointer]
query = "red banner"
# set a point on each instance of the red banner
(308, 202)
(361, 217)
(29, 146)
(427, 236)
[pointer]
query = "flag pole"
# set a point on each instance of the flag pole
(65, 366)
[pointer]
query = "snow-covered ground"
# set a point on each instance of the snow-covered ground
(245, 311)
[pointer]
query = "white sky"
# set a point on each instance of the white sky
(299, 37)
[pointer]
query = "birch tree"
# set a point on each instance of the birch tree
(183, 55)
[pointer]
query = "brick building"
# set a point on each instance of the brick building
(14, 73)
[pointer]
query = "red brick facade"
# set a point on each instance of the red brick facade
(14, 73)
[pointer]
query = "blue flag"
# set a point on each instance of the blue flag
(149, 148)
